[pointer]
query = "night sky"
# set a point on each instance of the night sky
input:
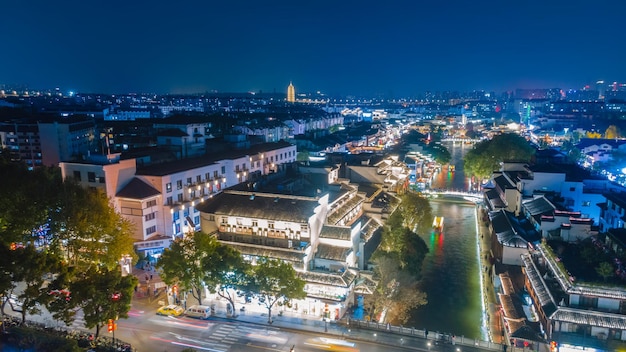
(392, 48)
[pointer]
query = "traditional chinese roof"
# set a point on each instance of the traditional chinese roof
(137, 189)
(548, 305)
(335, 232)
(296, 257)
(589, 317)
(340, 279)
(260, 206)
(505, 232)
(539, 206)
(326, 251)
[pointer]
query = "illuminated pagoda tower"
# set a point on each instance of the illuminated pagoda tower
(291, 93)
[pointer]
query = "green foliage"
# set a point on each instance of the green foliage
(276, 282)
(88, 229)
(396, 293)
(487, 155)
(398, 260)
(182, 263)
(93, 291)
(605, 270)
(226, 271)
(30, 339)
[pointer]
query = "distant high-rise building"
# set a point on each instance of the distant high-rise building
(291, 93)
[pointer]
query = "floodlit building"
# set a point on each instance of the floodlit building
(291, 93)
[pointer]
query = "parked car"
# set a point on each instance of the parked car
(171, 310)
(200, 312)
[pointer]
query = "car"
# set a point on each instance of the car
(171, 310)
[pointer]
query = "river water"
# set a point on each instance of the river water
(450, 273)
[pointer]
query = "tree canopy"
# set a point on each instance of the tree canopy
(398, 261)
(487, 155)
(275, 281)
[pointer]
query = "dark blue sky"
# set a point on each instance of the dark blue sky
(335, 46)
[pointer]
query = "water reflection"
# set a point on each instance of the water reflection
(450, 273)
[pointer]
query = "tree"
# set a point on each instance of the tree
(35, 266)
(487, 155)
(275, 281)
(88, 229)
(605, 270)
(416, 212)
(9, 261)
(102, 294)
(396, 293)
(24, 192)
(184, 262)
(226, 272)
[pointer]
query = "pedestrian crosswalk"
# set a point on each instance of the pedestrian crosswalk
(224, 336)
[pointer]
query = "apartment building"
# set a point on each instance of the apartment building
(162, 199)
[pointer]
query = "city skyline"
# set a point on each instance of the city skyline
(398, 48)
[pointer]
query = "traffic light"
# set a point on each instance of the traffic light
(553, 346)
(110, 325)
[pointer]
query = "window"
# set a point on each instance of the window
(188, 180)
(255, 223)
(215, 174)
(211, 217)
(223, 170)
(169, 201)
(175, 216)
(196, 220)
(207, 176)
(150, 230)
(239, 221)
(168, 187)
(186, 212)
(180, 197)
(91, 176)
(586, 204)
(572, 189)
(101, 179)
(270, 224)
(179, 184)
(151, 203)
(150, 216)
(177, 228)
(77, 175)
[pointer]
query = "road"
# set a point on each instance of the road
(150, 332)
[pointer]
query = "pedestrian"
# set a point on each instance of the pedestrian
(150, 276)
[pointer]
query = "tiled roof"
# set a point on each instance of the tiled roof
(505, 232)
(326, 251)
(539, 206)
(137, 189)
(260, 206)
(335, 232)
(343, 279)
(293, 256)
(588, 317)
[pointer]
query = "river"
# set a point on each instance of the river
(450, 273)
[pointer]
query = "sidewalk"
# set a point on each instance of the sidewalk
(146, 300)
(494, 323)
